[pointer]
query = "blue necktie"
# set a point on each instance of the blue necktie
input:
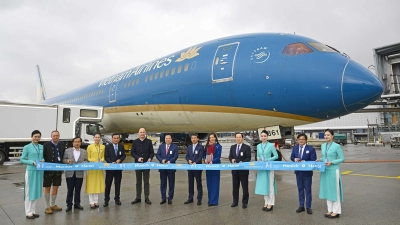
(116, 150)
(194, 147)
(237, 151)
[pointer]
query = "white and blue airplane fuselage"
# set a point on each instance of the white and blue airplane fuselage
(235, 83)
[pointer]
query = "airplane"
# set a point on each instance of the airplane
(235, 83)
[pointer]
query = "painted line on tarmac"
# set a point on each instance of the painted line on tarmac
(350, 172)
(370, 161)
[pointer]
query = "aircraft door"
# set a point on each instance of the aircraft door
(113, 92)
(224, 61)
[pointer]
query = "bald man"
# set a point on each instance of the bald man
(142, 151)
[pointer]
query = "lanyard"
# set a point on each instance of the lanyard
(98, 152)
(327, 148)
(37, 150)
(263, 149)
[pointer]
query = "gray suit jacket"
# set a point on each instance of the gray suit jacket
(69, 154)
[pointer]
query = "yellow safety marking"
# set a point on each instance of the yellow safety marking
(349, 172)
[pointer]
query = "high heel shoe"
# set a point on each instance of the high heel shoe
(335, 216)
(270, 209)
(327, 214)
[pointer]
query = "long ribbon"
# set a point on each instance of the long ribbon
(270, 165)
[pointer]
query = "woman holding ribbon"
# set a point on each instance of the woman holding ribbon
(95, 178)
(212, 155)
(265, 182)
(331, 180)
(33, 177)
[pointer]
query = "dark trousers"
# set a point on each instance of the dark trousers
(170, 176)
(238, 179)
(74, 184)
(191, 175)
(117, 176)
(146, 176)
(304, 183)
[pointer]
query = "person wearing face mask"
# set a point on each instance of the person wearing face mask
(303, 152)
(331, 180)
(265, 182)
(33, 177)
(95, 178)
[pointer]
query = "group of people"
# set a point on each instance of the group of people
(142, 151)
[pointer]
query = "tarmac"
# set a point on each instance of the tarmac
(371, 184)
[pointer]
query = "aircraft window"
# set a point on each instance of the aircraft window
(156, 76)
(173, 71)
(296, 49)
(193, 65)
(151, 77)
(129, 84)
(137, 81)
(186, 67)
(167, 72)
(179, 68)
(147, 77)
(133, 82)
(102, 91)
(161, 74)
(321, 47)
(125, 85)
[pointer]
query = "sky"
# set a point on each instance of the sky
(80, 42)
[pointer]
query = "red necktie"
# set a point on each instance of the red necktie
(166, 150)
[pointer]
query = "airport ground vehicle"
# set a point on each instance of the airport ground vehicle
(340, 139)
(17, 121)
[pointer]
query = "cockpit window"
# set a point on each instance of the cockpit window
(296, 49)
(321, 47)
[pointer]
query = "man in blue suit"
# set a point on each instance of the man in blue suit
(303, 152)
(194, 155)
(167, 153)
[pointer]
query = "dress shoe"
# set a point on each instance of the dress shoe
(244, 206)
(69, 208)
(137, 200)
(117, 202)
(48, 211)
(147, 200)
(234, 205)
(169, 202)
(209, 205)
(198, 202)
(163, 201)
(55, 208)
(270, 209)
(35, 215)
(188, 201)
(300, 209)
(335, 216)
(105, 204)
(30, 217)
(78, 207)
(309, 210)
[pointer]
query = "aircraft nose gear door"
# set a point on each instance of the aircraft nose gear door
(113, 92)
(224, 61)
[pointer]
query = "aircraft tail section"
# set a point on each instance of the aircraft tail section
(41, 91)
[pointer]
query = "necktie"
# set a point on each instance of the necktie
(237, 151)
(301, 151)
(116, 149)
(194, 147)
(166, 150)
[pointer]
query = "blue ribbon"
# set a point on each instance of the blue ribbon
(270, 165)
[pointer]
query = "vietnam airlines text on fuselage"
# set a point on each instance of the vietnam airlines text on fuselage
(236, 83)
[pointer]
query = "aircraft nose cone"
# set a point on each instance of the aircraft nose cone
(360, 87)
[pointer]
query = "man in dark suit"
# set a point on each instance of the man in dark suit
(303, 152)
(74, 178)
(240, 153)
(142, 151)
(53, 152)
(114, 153)
(167, 153)
(194, 155)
